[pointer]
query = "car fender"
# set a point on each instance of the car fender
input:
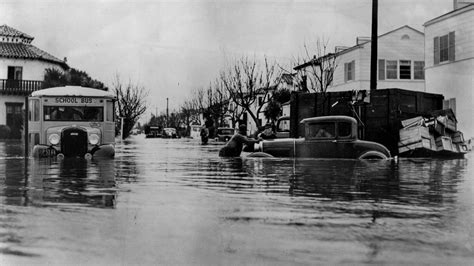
(368, 155)
(260, 155)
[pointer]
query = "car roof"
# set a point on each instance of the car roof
(330, 118)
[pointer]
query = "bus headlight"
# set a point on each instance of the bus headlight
(94, 139)
(54, 139)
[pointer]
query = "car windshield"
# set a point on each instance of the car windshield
(73, 113)
(284, 125)
(321, 130)
(227, 131)
(344, 129)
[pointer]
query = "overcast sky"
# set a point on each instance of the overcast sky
(173, 47)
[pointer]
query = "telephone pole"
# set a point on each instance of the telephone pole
(166, 112)
(374, 48)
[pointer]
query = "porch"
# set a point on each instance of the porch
(19, 87)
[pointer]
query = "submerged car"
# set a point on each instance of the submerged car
(325, 137)
(224, 133)
(169, 132)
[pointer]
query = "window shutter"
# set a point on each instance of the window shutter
(452, 48)
(436, 50)
(381, 69)
(345, 72)
(353, 70)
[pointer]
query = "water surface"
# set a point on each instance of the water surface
(168, 201)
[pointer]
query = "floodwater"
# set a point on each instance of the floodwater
(175, 202)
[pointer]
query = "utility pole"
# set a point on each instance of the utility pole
(166, 112)
(374, 48)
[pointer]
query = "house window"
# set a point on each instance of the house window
(381, 69)
(419, 70)
(15, 72)
(349, 71)
(444, 48)
(405, 69)
(392, 69)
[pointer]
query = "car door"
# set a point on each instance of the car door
(345, 140)
(320, 141)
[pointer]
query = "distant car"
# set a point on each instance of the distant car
(169, 132)
(224, 133)
(195, 131)
(153, 132)
(325, 137)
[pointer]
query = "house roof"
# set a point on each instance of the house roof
(450, 14)
(23, 49)
(6, 30)
(357, 46)
(27, 51)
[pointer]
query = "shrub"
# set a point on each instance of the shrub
(4, 131)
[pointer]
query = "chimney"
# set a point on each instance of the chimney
(457, 4)
(361, 40)
(340, 49)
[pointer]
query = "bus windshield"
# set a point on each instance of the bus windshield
(73, 113)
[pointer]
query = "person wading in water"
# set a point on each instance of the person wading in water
(234, 146)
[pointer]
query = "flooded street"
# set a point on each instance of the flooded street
(175, 202)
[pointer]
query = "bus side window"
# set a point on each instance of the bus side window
(110, 111)
(33, 112)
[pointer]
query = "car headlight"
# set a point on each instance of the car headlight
(94, 139)
(258, 146)
(54, 139)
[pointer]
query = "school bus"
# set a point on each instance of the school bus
(71, 121)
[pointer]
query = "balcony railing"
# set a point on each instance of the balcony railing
(19, 87)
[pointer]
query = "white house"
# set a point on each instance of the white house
(449, 56)
(22, 68)
(400, 62)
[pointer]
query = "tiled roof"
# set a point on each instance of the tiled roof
(11, 32)
(26, 51)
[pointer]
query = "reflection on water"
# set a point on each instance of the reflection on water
(198, 208)
(51, 182)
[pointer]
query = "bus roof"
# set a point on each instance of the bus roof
(73, 91)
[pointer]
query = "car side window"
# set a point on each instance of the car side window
(344, 129)
(323, 130)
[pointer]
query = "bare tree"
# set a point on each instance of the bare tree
(315, 70)
(190, 113)
(246, 80)
(130, 103)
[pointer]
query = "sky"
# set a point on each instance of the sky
(171, 48)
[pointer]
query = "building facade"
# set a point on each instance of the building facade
(449, 56)
(400, 62)
(22, 69)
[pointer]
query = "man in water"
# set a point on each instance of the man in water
(234, 146)
(267, 133)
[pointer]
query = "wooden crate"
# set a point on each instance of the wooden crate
(415, 121)
(414, 134)
(422, 144)
(444, 143)
(457, 137)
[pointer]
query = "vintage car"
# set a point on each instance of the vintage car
(224, 133)
(153, 132)
(169, 132)
(325, 137)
